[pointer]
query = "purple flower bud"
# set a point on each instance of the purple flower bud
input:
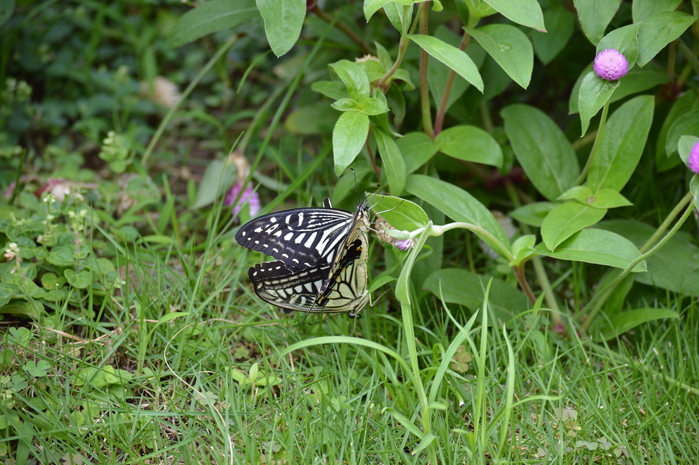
(403, 244)
(693, 160)
(249, 196)
(610, 64)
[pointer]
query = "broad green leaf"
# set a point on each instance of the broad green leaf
(438, 72)
(417, 149)
(596, 246)
(80, 280)
(456, 203)
(476, 8)
(451, 56)
(634, 82)
(346, 104)
(525, 12)
(465, 288)
(399, 16)
(623, 39)
(685, 103)
(644, 9)
(594, 16)
(560, 25)
(393, 164)
(314, 119)
(373, 106)
(621, 145)
(349, 136)
(6, 9)
(594, 93)
(471, 144)
(209, 17)
(580, 193)
(659, 30)
(509, 47)
(542, 149)
(627, 321)
(523, 248)
(218, 177)
(609, 198)
(331, 89)
(566, 220)
(61, 255)
(533, 214)
(283, 21)
(684, 146)
(685, 125)
(673, 267)
(402, 214)
(372, 6)
(354, 77)
(694, 189)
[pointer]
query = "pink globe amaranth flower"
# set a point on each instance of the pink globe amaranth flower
(611, 65)
(249, 196)
(693, 160)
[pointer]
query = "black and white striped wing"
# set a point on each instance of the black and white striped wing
(314, 289)
(299, 238)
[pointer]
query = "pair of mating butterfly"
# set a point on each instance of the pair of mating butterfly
(321, 258)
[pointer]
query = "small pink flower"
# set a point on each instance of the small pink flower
(611, 65)
(249, 196)
(404, 244)
(693, 160)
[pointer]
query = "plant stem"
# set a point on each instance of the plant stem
(439, 120)
(601, 297)
(343, 27)
(166, 120)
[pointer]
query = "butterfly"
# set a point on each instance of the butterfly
(321, 256)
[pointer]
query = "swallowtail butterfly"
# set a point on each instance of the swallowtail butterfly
(321, 258)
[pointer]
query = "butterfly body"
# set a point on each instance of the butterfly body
(321, 258)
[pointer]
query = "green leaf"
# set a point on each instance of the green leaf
(634, 82)
(644, 9)
(566, 220)
(465, 288)
(659, 30)
(451, 56)
(399, 16)
(372, 6)
(457, 204)
(417, 149)
(402, 214)
(609, 198)
(373, 107)
(355, 79)
(560, 25)
(6, 9)
(471, 144)
(283, 21)
(684, 147)
(694, 189)
(623, 39)
(509, 47)
(594, 16)
(524, 12)
(685, 125)
(218, 178)
(542, 149)
(393, 163)
(685, 103)
(673, 267)
(331, 89)
(594, 93)
(209, 17)
(621, 145)
(314, 119)
(596, 246)
(626, 321)
(349, 136)
(80, 280)
(61, 255)
(533, 214)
